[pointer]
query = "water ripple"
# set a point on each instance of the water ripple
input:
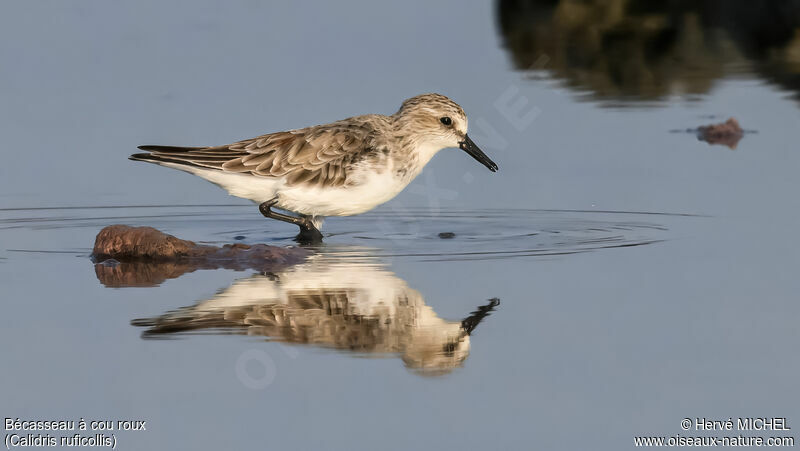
(421, 234)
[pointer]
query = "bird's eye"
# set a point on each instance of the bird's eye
(446, 120)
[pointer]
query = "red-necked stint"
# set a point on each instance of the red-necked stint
(343, 168)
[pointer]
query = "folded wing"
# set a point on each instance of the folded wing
(315, 155)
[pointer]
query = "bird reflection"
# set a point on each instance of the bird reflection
(357, 307)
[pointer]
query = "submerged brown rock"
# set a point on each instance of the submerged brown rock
(144, 256)
(727, 133)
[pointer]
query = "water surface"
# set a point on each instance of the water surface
(641, 276)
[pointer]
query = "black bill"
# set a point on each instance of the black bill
(471, 148)
(471, 322)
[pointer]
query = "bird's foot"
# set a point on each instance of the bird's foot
(309, 234)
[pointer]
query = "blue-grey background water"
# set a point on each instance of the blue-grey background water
(612, 323)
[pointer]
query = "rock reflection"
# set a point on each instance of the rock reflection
(357, 307)
(642, 50)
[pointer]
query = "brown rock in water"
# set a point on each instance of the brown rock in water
(144, 256)
(727, 133)
(122, 242)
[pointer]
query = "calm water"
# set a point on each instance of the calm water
(610, 280)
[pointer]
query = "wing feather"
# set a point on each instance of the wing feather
(314, 155)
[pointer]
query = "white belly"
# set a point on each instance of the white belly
(373, 191)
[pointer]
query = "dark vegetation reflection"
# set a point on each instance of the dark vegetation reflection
(354, 306)
(643, 50)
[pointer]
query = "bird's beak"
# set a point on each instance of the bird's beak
(471, 148)
(469, 323)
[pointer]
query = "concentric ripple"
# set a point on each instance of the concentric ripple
(499, 234)
(423, 234)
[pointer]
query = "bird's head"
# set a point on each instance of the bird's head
(435, 122)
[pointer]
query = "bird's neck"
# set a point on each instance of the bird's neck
(411, 158)
(424, 151)
(413, 151)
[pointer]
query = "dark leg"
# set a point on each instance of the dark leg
(308, 233)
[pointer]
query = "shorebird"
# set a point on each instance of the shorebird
(343, 168)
